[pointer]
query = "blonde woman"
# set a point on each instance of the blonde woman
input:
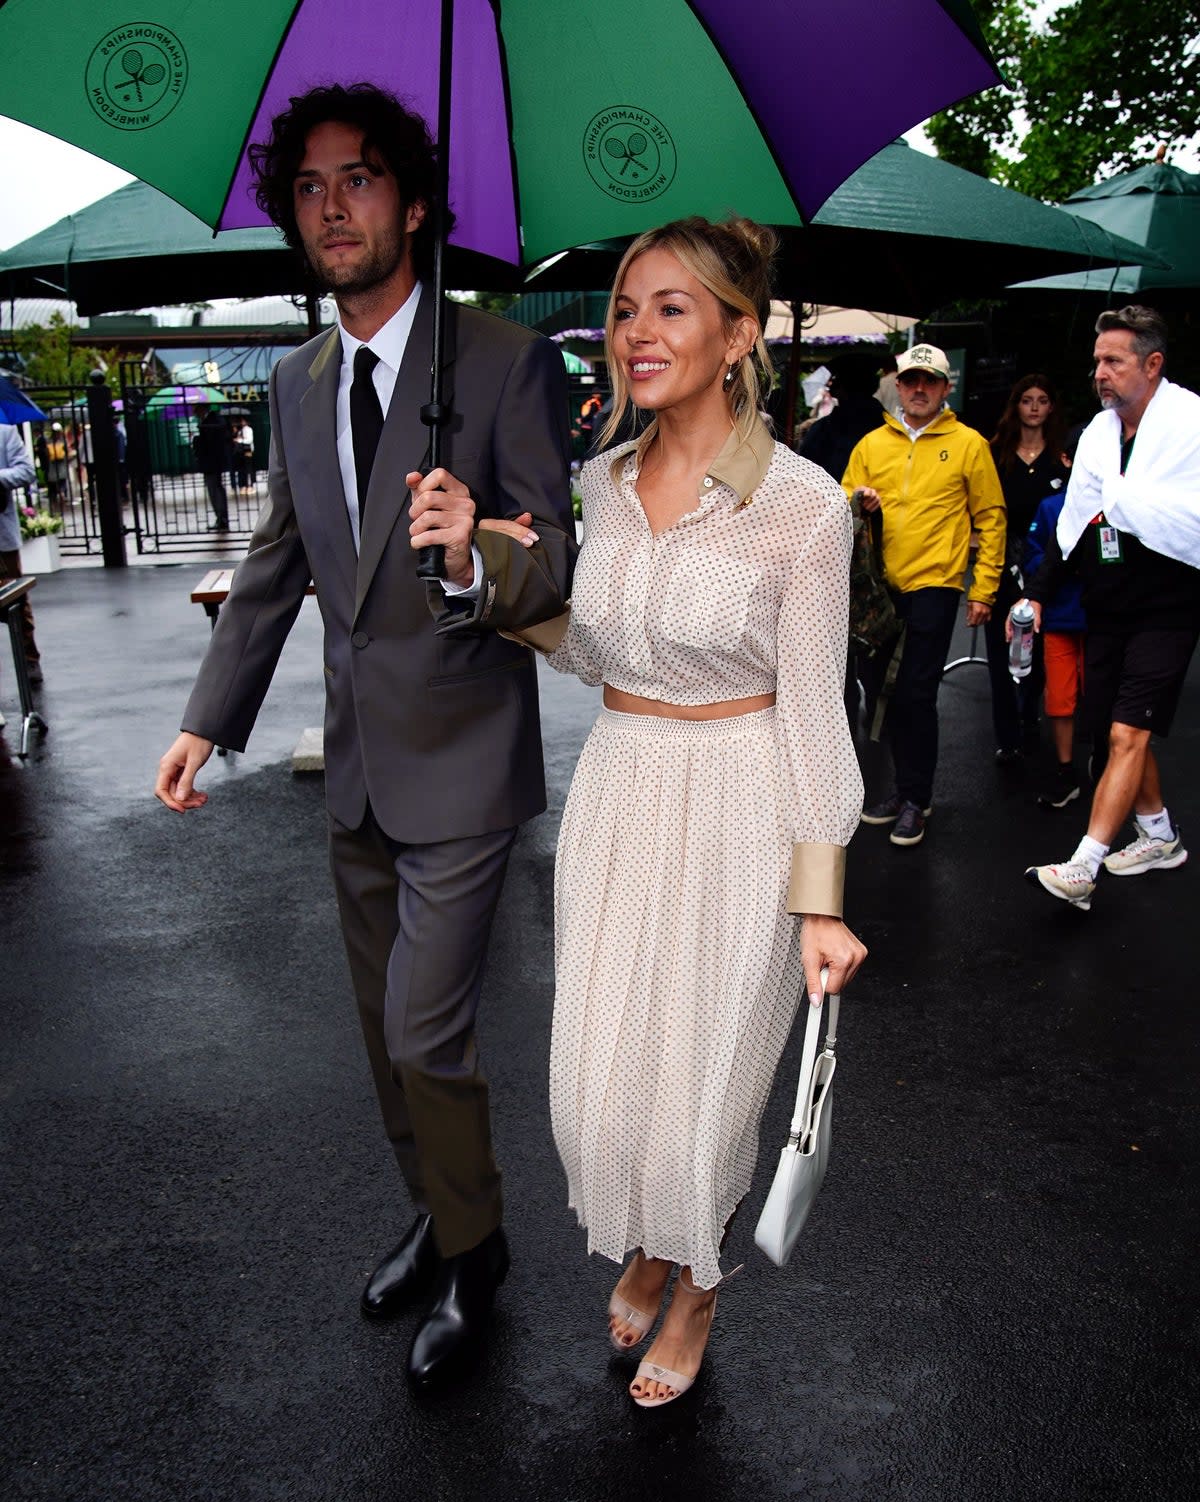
(699, 872)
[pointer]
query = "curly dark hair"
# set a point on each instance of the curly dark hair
(394, 138)
(1008, 430)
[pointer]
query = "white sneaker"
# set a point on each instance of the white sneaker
(1146, 854)
(1071, 881)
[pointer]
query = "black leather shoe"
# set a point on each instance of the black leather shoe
(405, 1275)
(453, 1334)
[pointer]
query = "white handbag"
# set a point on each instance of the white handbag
(804, 1156)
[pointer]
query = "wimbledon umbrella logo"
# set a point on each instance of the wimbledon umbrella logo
(136, 75)
(629, 153)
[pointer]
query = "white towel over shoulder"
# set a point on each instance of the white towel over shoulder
(1158, 496)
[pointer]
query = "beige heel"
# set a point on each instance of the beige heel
(642, 1320)
(653, 1372)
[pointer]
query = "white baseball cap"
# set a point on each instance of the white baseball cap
(926, 357)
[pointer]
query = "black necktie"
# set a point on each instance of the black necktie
(366, 421)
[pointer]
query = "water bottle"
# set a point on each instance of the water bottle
(1020, 649)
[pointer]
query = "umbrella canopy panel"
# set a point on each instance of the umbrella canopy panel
(137, 248)
(15, 406)
(568, 124)
(1157, 206)
(906, 233)
(178, 401)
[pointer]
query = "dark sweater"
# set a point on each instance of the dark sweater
(1026, 486)
(831, 441)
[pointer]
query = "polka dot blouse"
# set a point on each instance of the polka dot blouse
(747, 594)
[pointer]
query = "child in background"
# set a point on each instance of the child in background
(1063, 628)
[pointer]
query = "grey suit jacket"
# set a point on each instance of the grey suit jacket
(430, 716)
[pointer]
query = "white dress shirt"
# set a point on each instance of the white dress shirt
(389, 344)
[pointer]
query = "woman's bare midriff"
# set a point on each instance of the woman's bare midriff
(623, 703)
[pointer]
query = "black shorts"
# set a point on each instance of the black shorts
(1135, 677)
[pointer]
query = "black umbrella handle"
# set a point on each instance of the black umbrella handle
(435, 414)
(431, 562)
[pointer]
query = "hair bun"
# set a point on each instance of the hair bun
(760, 240)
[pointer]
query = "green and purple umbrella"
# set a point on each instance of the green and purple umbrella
(558, 122)
(182, 401)
(568, 122)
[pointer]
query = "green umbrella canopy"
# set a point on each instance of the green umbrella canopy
(1157, 206)
(906, 233)
(137, 248)
(182, 401)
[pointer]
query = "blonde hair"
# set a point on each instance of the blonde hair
(733, 261)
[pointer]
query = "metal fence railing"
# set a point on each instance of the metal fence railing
(191, 463)
(195, 460)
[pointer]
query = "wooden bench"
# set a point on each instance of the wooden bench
(212, 592)
(12, 597)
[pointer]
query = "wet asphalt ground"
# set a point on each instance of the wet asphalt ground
(995, 1298)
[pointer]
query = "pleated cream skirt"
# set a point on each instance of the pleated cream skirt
(678, 978)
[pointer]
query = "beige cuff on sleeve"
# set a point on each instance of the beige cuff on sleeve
(817, 879)
(543, 637)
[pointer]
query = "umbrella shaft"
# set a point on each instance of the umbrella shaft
(432, 562)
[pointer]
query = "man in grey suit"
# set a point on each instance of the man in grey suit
(432, 744)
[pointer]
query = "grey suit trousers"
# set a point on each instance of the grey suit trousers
(416, 920)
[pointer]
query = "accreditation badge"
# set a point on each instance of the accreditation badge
(1110, 544)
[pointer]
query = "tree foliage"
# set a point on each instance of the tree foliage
(1093, 88)
(50, 359)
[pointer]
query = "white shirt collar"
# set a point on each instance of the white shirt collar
(390, 341)
(913, 433)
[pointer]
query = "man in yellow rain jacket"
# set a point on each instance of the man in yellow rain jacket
(935, 483)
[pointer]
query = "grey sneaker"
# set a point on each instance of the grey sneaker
(1145, 853)
(1071, 881)
(888, 811)
(909, 828)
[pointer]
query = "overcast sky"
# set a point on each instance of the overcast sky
(42, 178)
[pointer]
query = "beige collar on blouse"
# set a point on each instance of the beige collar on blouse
(741, 464)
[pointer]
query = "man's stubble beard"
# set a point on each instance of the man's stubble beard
(353, 281)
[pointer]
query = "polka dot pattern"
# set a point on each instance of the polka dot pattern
(677, 966)
(733, 600)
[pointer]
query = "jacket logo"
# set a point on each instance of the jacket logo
(944, 455)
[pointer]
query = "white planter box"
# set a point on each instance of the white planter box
(40, 555)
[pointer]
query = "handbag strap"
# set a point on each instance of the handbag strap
(808, 1058)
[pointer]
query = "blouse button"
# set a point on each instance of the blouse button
(708, 482)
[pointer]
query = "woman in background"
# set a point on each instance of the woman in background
(1027, 448)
